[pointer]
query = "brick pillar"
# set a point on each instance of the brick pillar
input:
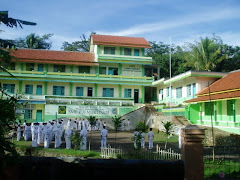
(192, 152)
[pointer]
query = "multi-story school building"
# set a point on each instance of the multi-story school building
(109, 80)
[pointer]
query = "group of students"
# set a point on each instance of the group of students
(140, 136)
(54, 130)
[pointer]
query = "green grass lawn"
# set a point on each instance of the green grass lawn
(25, 148)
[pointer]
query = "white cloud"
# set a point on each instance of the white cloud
(190, 19)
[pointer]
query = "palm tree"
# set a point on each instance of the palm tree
(206, 54)
(33, 41)
(117, 121)
(168, 130)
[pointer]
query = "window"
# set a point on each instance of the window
(29, 66)
(230, 107)
(109, 50)
(193, 90)
(108, 92)
(28, 89)
(102, 70)
(179, 92)
(168, 93)
(28, 114)
(189, 92)
(128, 93)
(79, 91)
(58, 90)
(84, 69)
(90, 91)
(9, 87)
(59, 68)
(128, 51)
(39, 90)
(136, 52)
(207, 108)
(112, 71)
(160, 94)
(40, 67)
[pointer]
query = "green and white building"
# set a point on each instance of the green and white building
(109, 80)
(218, 104)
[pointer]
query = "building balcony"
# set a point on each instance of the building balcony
(76, 77)
(125, 59)
(74, 100)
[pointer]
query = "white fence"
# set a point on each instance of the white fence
(159, 154)
(168, 154)
(110, 152)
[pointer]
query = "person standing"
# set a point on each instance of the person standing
(68, 134)
(84, 134)
(128, 124)
(104, 134)
(150, 138)
(18, 132)
(143, 139)
(34, 135)
(135, 137)
(46, 133)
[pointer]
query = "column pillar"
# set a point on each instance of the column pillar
(192, 152)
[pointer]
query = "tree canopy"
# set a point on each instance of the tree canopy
(33, 41)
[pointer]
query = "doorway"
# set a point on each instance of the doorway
(39, 115)
(136, 95)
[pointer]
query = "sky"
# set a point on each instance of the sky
(168, 21)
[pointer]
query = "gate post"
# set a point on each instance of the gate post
(192, 152)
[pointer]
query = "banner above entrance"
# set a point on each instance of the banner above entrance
(80, 110)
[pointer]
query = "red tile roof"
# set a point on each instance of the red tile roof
(120, 41)
(226, 88)
(220, 96)
(55, 57)
(231, 81)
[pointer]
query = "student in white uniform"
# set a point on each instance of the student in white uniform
(128, 124)
(74, 127)
(40, 134)
(68, 134)
(143, 139)
(84, 134)
(135, 136)
(46, 136)
(56, 132)
(19, 132)
(150, 138)
(104, 134)
(34, 135)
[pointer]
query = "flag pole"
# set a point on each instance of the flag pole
(170, 75)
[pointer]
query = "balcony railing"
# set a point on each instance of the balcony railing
(74, 75)
(74, 100)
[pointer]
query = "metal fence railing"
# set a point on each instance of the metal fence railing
(223, 162)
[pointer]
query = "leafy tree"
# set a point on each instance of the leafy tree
(232, 62)
(117, 121)
(76, 140)
(160, 54)
(33, 41)
(83, 45)
(8, 105)
(141, 126)
(206, 54)
(168, 130)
